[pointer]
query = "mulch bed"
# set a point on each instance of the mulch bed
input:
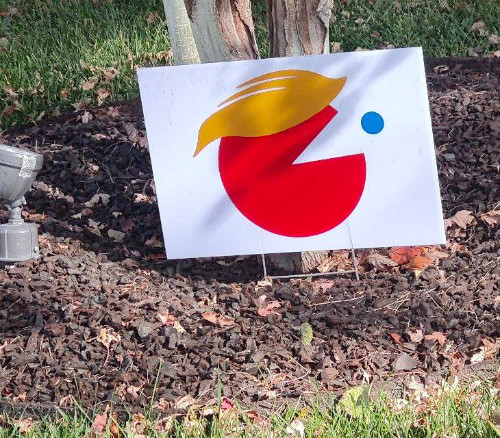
(98, 317)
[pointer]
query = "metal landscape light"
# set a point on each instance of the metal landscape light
(18, 169)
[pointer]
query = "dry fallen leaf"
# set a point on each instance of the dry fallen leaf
(116, 235)
(133, 390)
(110, 74)
(162, 404)
(132, 132)
(94, 227)
(224, 263)
(397, 338)
(86, 117)
(165, 424)
(184, 402)
(254, 417)
(25, 425)
(102, 95)
(269, 309)
(220, 320)
(415, 335)
(338, 260)
(67, 401)
(462, 218)
(439, 337)
(479, 27)
(405, 362)
(226, 404)
(403, 254)
(225, 321)
(435, 254)
(138, 426)
(491, 217)
(417, 388)
(264, 283)
(164, 54)
(454, 247)
(323, 284)
(56, 112)
(141, 197)
(178, 327)
(440, 69)
(89, 84)
(151, 17)
(379, 261)
(491, 347)
(296, 428)
(106, 337)
(113, 111)
(8, 111)
(80, 105)
(336, 47)
(155, 242)
(19, 398)
(101, 421)
(479, 356)
(419, 263)
(165, 318)
(114, 431)
(10, 91)
(488, 350)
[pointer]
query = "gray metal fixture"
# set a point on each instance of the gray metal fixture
(18, 169)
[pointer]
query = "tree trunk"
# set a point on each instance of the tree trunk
(299, 27)
(223, 29)
(180, 33)
(297, 262)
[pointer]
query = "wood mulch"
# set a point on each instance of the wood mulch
(103, 316)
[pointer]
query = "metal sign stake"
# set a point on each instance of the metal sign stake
(315, 274)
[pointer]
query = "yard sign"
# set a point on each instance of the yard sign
(293, 154)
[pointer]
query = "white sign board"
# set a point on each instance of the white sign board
(293, 154)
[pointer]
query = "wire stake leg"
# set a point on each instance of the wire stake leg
(264, 265)
(355, 263)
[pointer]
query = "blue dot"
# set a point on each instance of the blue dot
(372, 122)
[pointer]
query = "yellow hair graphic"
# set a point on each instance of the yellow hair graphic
(270, 103)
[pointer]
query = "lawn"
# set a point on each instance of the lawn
(445, 411)
(65, 53)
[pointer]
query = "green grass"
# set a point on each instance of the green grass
(50, 48)
(441, 27)
(453, 413)
(56, 46)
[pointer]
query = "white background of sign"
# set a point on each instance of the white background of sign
(400, 205)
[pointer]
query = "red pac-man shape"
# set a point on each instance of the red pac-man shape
(295, 200)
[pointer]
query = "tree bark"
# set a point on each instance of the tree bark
(299, 27)
(297, 262)
(223, 29)
(180, 33)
